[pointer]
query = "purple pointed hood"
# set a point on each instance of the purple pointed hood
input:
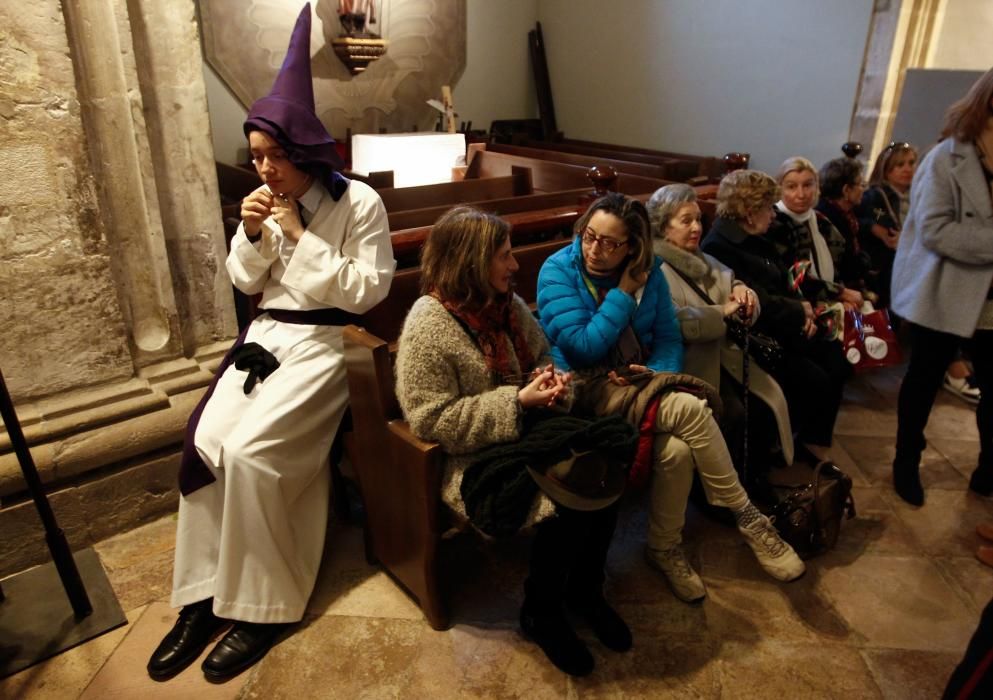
(287, 114)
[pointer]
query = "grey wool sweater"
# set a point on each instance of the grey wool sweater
(449, 396)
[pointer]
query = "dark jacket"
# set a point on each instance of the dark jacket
(794, 243)
(854, 268)
(757, 263)
(880, 205)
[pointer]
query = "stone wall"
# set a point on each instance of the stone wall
(114, 305)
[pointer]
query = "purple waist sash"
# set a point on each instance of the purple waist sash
(193, 472)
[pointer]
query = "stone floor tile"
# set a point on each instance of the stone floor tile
(876, 528)
(910, 675)
(123, 677)
(845, 462)
(348, 585)
(873, 420)
(897, 602)
(874, 456)
(66, 676)
(660, 666)
(952, 417)
(961, 454)
(946, 524)
(969, 576)
(139, 563)
(772, 668)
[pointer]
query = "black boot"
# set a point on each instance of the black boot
(907, 482)
(606, 624)
(982, 480)
(548, 627)
(239, 649)
(185, 641)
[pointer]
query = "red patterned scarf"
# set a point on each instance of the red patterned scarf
(490, 326)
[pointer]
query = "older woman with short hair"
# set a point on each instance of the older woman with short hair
(805, 236)
(813, 371)
(708, 297)
(842, 186)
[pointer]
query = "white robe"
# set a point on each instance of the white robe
(253, 539)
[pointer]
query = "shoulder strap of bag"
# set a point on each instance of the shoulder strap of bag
(693, 285)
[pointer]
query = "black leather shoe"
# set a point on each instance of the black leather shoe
(243, 646)
(550, 630)
(606, 624)
(981, 481)
(185, 641)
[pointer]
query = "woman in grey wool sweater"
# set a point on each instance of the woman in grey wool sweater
(463, 345)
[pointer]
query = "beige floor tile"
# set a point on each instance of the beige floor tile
(946, 524)
(952, 417)
(771, 668)
(874, 456)
(139, 562)
(124, 677)
(66, 676)
(659, 666)
(910, 675)
(874, 420)
(961, 454)
(876, 528)
(845, 462)
(970, 577)
(897, 602)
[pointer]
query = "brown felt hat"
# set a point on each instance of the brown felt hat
(586, 481)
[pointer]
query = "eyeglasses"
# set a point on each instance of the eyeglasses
(609, 245)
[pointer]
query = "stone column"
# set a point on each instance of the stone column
(165, 37)
(140, 263)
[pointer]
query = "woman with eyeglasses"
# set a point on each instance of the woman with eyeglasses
(813, 371)
(883, 209)
(943, 282)
(472, 368)
(605, 305)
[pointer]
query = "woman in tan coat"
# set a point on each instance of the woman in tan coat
(463, 347)
(708, 297)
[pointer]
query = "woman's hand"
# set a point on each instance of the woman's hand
(543, 390)
(809, 325)
(851, 298)
(617, 379)
(731, 307)
(631, 282)
(560, 379)
(286, 214)
(889, 236)
(745, 298)
(256, 208)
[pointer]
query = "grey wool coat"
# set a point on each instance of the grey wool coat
(944, 261)
(449, 396)
(706, 348)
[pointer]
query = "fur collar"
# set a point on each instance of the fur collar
(690, 264)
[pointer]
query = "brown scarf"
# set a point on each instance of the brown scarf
(489, 327)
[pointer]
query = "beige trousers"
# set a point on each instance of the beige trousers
(686, 438)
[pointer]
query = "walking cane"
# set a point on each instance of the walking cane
(54, 536)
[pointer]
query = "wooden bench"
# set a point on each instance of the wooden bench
(516, 184)
(398, 474)
(662, 169)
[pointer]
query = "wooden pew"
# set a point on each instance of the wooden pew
(398, 474)
(706, 165)
(662, 169)
(550, 176)
(517, 184)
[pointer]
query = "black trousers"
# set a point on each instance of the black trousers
(930, 353)
(568, 556)
(763, 432)
(973, 677)
(813, 377)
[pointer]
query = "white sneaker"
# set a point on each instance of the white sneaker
(685, 583)
(963, 387)
(774, 555)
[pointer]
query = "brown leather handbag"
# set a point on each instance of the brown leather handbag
(809, 516)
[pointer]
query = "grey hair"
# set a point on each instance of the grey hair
(664, 204)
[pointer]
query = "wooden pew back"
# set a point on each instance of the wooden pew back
(518, 183)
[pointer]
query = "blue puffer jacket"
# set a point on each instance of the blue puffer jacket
(583, 332)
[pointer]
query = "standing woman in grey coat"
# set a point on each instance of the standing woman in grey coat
(943, 282)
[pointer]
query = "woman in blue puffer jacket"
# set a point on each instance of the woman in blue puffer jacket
(606, 308)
